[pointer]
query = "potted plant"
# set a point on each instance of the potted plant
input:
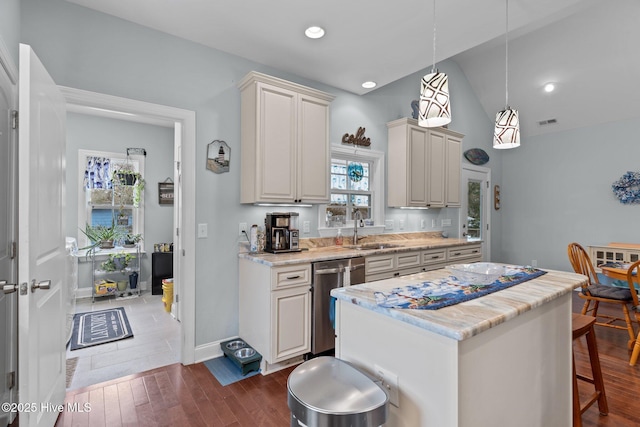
(128, 183)
(117, 262)
(131, 240)
(102, 236)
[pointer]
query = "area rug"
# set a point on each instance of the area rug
(225, 371)
(71, 369)
(99, 327)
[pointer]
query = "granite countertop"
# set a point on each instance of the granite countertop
(316, 252)
(470, 318)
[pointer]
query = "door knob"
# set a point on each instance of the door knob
(8, 288)
(45, 284)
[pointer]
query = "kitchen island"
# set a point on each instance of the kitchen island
(498, 360)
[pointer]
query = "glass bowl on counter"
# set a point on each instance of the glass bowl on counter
(478, 273)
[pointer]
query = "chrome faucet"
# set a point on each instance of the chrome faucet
(357, 216)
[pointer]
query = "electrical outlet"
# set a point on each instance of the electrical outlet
(305, 227)
(202, 231)
(401, 224)
(388, 224)
(534, 263)
(423, 223)
(446, 222)
(433, 223)
(390, 383)
(242, 228)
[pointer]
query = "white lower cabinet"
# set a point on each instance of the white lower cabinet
(386, 266)
(275, 311)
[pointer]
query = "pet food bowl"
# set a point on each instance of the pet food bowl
(243, 353)
(234, 345)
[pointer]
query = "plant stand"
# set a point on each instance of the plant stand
(105, 283)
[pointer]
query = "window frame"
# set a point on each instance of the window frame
(84, 210)
(376, 176)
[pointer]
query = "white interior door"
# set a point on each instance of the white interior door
(41, 234)
(8, 264)
(475, 210)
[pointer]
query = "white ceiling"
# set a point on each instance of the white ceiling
(577, 44)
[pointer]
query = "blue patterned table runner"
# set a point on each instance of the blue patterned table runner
(449, 291)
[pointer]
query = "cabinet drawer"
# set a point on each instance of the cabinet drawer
(408, 259)
(434, 256)
(379, 276)
(407, 271)
(290, 275)
(464, 252)
(379, 263)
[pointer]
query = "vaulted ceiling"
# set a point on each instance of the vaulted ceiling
(588, 48)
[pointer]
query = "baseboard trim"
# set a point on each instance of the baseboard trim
(210, 350)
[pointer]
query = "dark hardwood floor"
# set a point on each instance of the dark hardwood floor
(179, 395)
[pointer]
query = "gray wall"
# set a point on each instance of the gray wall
(96, 133)
(10, 27)
(555, 187)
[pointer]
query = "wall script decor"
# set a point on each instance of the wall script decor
(627, 188)
(496, 197)
(357, 139)
(218, 156)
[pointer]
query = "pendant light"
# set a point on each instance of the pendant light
(434, 107)
(507, 130)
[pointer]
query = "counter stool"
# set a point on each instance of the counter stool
(583, 325)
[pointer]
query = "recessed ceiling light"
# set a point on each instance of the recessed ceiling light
(549, 87)
(314, 32)
(369, 85)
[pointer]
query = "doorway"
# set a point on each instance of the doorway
(183, 124)
(475, 211)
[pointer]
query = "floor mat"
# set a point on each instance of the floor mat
(225, 371)
(99, 327)
(71, 369)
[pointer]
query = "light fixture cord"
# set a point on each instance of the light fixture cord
(433, 65)
(506, 57)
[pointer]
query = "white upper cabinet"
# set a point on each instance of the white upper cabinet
(285, 152)
(424, 166)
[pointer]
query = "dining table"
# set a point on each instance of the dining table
(617, 271)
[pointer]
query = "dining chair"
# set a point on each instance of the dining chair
(633, 274)
(595, 293)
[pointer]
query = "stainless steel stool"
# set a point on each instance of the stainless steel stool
(329, 392)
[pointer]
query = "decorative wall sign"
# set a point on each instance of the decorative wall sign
(218, 156)
(496, 197)
(165, 192)
(627, 188)
(477, 156)
(357, 139)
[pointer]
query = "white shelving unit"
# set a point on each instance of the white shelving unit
(105, 283)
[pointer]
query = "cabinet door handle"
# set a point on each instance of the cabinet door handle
(293, 277)
(475, 252)
(435, 257)
(457, 253)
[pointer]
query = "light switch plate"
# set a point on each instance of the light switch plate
(305, 226)
(390, 383)
(388, 224)
(202, 231)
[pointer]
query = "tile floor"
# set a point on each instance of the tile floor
(156, 341)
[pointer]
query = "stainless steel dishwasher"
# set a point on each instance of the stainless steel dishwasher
(328, 275)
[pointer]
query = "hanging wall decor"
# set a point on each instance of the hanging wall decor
(627, 188)
(218, 156)
(357, 139)
(165, 192)
(477, 156)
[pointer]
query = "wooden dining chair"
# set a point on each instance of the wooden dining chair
(633, 275)
(595, 293)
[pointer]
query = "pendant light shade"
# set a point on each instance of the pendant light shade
(507, 129)
(434, 109)
(434, 100)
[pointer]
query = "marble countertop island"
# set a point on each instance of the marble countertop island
(466, 319)
(488, 361)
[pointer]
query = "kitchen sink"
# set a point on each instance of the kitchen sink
(370, 246)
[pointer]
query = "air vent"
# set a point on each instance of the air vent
(547, 122)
